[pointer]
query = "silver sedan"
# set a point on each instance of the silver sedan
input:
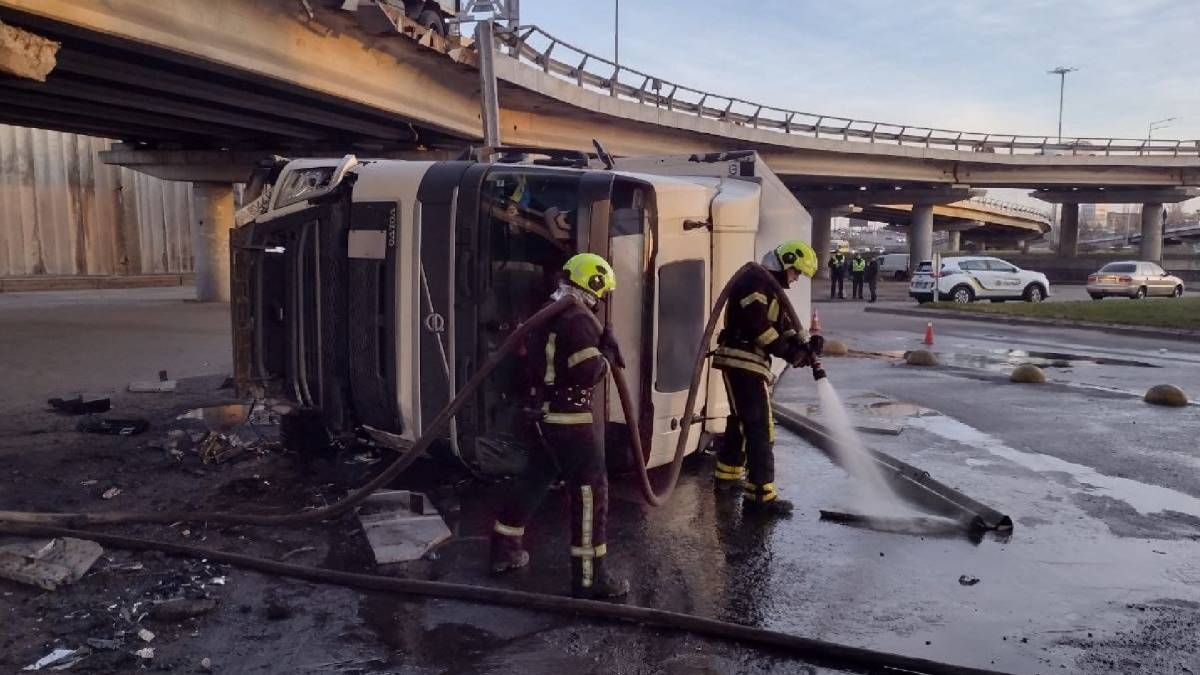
(1133, 279)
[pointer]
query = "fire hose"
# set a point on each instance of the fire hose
(44, 524)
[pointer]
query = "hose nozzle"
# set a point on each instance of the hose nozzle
(818, 370)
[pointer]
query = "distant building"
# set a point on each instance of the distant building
(1123, 223)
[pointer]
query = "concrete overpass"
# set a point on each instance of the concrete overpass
(199, 90)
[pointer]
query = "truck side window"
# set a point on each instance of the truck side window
(681, 318)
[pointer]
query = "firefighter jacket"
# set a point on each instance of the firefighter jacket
(756, 329)
(572, 367)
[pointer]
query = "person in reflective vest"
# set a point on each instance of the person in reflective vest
(858, 268)
(837, 276)
(757, 329)
(577, 354)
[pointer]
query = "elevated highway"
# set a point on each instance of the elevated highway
(200, 90)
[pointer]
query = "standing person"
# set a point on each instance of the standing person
(858, 268)
(837, 275)
(577, 354)
(873, 276)
(755, 330)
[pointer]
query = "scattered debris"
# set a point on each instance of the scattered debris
(113, 427)
(48, 564)
(103, 644)
(110, 493)
(180, 609)
(401, 525)
(206, 664)
(59, 659)
(163, 385)
(145, 635)
(967, 580)
(80, 405)
(219, 448)
(88, 483)
(145, 653)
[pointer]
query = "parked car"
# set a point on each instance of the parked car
(893, 265)
(1133, 279)
(970, 278)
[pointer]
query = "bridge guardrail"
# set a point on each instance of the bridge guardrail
(663, 93)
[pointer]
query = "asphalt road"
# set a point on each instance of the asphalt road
(1101, 574)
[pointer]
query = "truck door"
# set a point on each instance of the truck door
(678, 299)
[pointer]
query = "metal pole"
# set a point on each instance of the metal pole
(1062, 86)
(489, 99)
(617, 32)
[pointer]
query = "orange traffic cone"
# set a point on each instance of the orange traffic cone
(815, 324)
(929, 333)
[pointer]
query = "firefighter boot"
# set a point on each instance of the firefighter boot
(764, 500)
(506, 553)
(590, 580)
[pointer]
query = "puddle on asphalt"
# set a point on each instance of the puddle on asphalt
(1000, 359)
(1143, 497)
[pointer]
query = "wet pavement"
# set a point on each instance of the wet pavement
(1100, 575)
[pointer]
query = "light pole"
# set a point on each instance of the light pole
(617, 32)
(1061, 71)
(1158, 124)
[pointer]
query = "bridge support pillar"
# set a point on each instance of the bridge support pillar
(1152, 231)
(822, 237)
(954, 241)
(212, 206)
(920, 234)
(1068, 231)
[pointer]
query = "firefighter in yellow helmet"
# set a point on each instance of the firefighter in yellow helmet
(576, 355)
(757, 329)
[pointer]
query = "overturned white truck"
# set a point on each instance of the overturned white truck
(368, 291)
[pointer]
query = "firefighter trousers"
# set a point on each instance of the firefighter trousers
(750, 428)
(572, 454)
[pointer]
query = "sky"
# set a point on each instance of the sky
(970, 65)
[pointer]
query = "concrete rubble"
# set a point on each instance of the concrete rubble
(48, 564)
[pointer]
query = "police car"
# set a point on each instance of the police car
(970, 278)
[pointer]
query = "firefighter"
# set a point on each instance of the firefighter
(756, 329)
(577, 354)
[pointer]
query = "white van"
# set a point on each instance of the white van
(894, 265)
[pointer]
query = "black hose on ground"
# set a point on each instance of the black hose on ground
(807, 648)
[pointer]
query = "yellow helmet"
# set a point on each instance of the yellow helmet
(798, 255)
(591, 273)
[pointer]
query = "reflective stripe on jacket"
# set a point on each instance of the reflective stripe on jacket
(756, 329)
(573, 367)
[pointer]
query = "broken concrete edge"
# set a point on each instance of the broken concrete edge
(1133, 331)
(910, 482)
(26, 55)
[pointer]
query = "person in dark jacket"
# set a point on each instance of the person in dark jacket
(858, 269)
(757, 329)
(837, 275)
(872, 276)
(577, 355)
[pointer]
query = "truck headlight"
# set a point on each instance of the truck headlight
(303, 183)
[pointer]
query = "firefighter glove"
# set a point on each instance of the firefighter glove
(816, 344)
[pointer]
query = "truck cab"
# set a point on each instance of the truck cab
(369, 291)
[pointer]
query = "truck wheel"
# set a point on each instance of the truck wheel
(433, 21)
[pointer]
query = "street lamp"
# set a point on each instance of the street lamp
(1061, 71)
(617, 32)
(1159, 124)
